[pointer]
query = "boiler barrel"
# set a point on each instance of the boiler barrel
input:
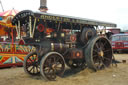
(59, 47)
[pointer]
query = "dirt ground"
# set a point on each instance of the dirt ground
(109, 76)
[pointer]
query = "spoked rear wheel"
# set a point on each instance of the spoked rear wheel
(98, 53)
(52, 65)
(31, 65)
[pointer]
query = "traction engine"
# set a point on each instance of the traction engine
(61, 40)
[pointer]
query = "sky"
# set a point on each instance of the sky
(115, 11)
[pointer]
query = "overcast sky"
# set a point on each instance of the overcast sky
(115, 11)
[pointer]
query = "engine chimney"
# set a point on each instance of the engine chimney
(43, 6)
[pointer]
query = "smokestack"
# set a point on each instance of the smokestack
(43, 6)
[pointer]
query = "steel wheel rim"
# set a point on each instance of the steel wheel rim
(102, 53)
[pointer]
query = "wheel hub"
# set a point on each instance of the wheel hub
(53, 66)
(101, 53)
(35, 64)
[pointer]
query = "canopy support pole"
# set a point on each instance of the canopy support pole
(30, 26)
(34, 26)
(19, 30)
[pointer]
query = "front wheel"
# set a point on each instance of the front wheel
(52, 65)
(98, 53)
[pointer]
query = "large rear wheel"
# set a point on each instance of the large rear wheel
(98, 53)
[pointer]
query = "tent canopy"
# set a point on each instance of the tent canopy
(12, 12)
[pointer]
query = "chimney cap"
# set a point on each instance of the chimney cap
(43, 7)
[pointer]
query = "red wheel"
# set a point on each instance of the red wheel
(31, 65)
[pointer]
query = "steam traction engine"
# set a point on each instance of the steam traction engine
(61, 40)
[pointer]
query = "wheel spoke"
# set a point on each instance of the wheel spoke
(95, 55)
(28, 63)
(33, 69)
(54, 59)
(37, 69)
(49, 61)
(50, 74)
(95, 51)
(107, 59)
(104, 43)
(30, 69)
(107, 50)
(47, 69)
(99, 65)
(103, 63)
(57, 60)
(99, 42)
(35, 58)
(97, 46)
(58, 68)
(53, 73)
(102, 46)
(30, 59)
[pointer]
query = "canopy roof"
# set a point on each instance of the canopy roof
(24, 15)
(12, 12)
